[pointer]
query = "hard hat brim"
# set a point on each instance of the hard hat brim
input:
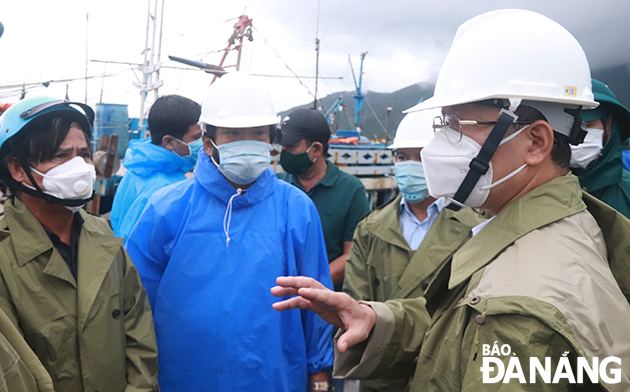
(438, 102)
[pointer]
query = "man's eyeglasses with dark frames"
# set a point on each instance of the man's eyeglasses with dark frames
(454, 123)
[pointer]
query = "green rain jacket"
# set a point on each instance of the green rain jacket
(382, 266)
(536, 279)
(92, 334)
(606, 179)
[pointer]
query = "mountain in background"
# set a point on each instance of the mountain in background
(373, 120)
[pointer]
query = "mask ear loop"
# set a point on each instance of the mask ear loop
(25, 167)
(216, 158)
(515, 172)
(309, 149)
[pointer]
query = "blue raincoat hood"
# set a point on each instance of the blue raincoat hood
(149, 168)
(144, 158)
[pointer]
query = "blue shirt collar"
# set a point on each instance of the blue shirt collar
(433, 209)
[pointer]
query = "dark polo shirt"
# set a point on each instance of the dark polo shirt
(341, 201)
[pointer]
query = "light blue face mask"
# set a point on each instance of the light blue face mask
(244, 161)
(194, 150)
(411, 181)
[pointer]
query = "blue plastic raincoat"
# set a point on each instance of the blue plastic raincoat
(149, 168)
(216, 328)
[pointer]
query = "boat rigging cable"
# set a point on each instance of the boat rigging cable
(284, 62)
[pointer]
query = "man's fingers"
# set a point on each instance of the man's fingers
(292, 303)
(298, 282)
(325, 296)
(279, 291)
(350, 338)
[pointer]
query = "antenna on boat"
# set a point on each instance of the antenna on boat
(87, 21)
(316, 56)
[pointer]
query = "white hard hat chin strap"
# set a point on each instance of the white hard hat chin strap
(514, 104)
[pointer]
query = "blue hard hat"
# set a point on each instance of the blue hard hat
(24, 113)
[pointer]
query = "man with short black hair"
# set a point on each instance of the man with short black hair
(158, 161)
(340, 198)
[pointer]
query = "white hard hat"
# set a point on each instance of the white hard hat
(416, 129)
(238, 100)
(516, 55)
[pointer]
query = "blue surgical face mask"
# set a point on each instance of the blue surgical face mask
(244, 161)
(194, 150)
(411, 180)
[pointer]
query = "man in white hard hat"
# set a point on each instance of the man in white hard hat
(398, 247)
(208, 248)
(539, 294)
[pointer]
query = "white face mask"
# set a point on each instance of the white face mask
(244, 161)
(589, 150)
(71, 180)
(446, 165)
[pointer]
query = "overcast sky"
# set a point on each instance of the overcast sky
(406, 42)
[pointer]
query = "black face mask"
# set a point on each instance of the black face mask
(295, 163)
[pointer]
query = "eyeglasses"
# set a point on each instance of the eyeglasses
(453, 123)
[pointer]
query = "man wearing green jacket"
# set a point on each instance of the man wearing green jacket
(538, 298)
(398, 247)
(598, 161)
(66, 281)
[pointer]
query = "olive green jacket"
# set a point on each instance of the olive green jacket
(94, 333)
(382, 266)
(536, 278)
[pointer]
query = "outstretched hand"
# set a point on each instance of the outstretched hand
(338, 309)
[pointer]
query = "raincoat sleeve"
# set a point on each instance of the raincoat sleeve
(306, 242)
(393, 344)
(6, 304)
(141, 349)
(22, 369)
(356, 277)
(149, 247)
(126, 212)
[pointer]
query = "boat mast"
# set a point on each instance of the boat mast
(242, 29)
(149, 67)
(358, 98)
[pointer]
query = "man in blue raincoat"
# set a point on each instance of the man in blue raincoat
(209, 248)
(158, 161)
